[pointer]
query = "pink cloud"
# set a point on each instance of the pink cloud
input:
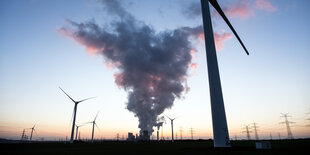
(91, 48)
(220, 38)
(193, 65)
(265, 5)
(241, 9)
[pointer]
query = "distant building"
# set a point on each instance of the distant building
(131, 137)
(143, 137)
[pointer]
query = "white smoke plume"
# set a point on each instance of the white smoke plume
(151, 67)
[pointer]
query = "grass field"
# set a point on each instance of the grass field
(298, 146)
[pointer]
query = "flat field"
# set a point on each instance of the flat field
(192, 147)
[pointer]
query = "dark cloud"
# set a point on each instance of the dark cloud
(152, 67)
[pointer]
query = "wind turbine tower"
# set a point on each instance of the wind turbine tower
(220, 129)
(287, 123)
(74, 112)
(32, 129)
(77, 131)
(171, 119)
(93, 130)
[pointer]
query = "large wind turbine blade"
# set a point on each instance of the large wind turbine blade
(220, 11)
(97, 126)
(176, 117)
(96, 116)
(67, 95)
(167, 116)
(88, 123)
(85, 99)
(72, 117)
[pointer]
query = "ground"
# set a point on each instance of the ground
(297, 146)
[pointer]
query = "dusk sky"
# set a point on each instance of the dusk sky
(39, 52)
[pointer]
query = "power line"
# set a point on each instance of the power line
(287, 123)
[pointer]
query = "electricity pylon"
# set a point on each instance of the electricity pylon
(192, 133)
(287, 123)
(181, 130)
(247, 131)
(255, 130)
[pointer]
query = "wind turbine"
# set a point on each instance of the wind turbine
(32, 129)
(171, 119)
(77, 130)
(93, 130)
(74, 112)
(220, 130)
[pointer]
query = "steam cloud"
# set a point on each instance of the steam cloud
(152, 67)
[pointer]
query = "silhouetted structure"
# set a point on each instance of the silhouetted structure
(131, 137)
(74, 112)
(23, 136)
(160, 121)
(77, 131)
(220, 130)
(192, 133)
(181, 130)
(255, 130)
(287, 123)
(117, 136)
(93, 129)
(247, 131)
(32, 129)
(171, 119)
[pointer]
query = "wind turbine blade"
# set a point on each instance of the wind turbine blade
(167, 116)
(72, 117)
(97, 127)
(67, 95)
(176, 117)
(220, 11)
(85, 99)
(96, 116)
(87, 123)
(81, 125)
